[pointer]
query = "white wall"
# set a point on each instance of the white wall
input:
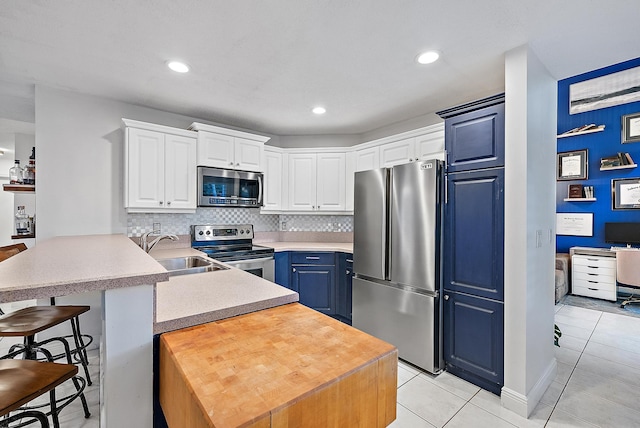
(80, 161)
(531, 94)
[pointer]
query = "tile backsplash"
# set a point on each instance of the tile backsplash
(179, 224)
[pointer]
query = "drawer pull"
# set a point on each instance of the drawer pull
(593, 289)
(312, 258)
(593, 267)
(349, 261)
(593, 282)
(592, 274)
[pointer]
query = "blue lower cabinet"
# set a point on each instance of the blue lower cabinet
(283, 268)
(316, 285)
(474, 339)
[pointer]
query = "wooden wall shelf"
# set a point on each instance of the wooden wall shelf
(19, 188)
(33, 235)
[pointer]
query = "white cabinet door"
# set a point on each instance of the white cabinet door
(248, 155)
(430, 146)
(216, 150)
(302, 182)
(145, 169)
(272, 198)
(367, 159)
(397, 153)
(180, 172)
(331, 182)
(349, 180)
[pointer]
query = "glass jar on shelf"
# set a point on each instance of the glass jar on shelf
(16, 173)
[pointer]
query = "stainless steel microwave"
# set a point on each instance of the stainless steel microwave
(219, 187)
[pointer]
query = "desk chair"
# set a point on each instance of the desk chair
(22, 381)
(628, 272)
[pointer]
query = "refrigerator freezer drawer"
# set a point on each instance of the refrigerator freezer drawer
(408, 320)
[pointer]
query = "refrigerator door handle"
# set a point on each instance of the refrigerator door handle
(387, 229)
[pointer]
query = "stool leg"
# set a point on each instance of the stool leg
(83, 399)
(80, 347)
(30, 353)
(54, 410)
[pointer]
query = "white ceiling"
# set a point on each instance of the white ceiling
(263, 65)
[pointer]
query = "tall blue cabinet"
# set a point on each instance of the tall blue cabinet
(473, 262)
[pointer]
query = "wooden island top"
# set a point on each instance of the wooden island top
(281, 367)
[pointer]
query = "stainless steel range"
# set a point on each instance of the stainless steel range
(233, 245)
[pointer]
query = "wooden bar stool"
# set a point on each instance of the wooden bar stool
(22, 381)
(29, 321)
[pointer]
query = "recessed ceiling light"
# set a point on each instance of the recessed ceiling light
(428, 57)
(178, 67)
(319, 110)
(1, 153)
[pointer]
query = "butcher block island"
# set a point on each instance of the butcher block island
(287, 366)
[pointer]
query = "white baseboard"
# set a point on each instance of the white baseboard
(523, 405)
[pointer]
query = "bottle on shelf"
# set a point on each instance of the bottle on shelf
(30, 169)
(16, 173)
(23, 222)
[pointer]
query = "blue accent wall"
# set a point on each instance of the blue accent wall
(599, 144)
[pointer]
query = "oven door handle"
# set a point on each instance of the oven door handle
(263, 259)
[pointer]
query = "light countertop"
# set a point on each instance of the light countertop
(345, 247)
(73, 264)
(188, 300)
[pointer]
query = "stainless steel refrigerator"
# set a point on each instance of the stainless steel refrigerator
(396, 259)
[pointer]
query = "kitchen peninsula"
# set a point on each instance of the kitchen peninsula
(139, 299)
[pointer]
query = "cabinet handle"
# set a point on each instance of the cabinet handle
(312, 258)
(348, 271)
(592, 289)
(160, 202)
(593, 267)
(238, 164)
(293, 269)
(169, 203)
(230, 163)
(446, 297)
(593, 282)
(349, 261)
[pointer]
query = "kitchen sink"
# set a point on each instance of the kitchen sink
(190, 264)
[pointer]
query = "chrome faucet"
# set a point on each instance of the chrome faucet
(147, 246)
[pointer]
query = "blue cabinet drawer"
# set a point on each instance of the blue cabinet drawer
(312, 258)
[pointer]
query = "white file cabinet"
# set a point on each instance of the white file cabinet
(594, 276)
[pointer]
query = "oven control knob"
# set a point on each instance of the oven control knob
(247, 230)
(241, 231)
(208, 232)
(201, 233)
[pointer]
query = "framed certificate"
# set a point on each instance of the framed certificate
(573, 165)
(631, 128)
(625, 194)
(574, 224)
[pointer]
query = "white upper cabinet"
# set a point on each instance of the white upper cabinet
(160, 168)
(302, 182)
(273, 179)
(397, 152)
(227, 148)
(331, 182)
(317, 182)
(431, 145)
(368, 158)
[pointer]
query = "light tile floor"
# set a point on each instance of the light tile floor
(598, 383)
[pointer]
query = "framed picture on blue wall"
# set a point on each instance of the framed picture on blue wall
(631, 128)
(625, 194)
(573, 165)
